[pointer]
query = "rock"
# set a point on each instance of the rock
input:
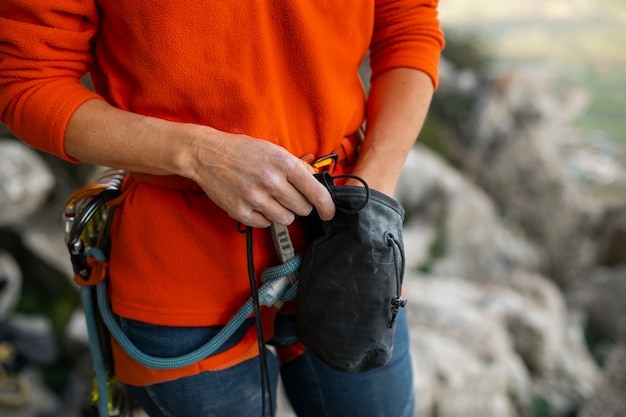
(25, 181)
(44, 234)
(507, 142)
(609, 400)
(76, 328)
(488, 348)
(38, 400)
(464, 360)
(612, 247)
(601, 299)
(474, 243)
(10, 284)
(32, 337)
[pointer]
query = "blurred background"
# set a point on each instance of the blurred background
(515, 232)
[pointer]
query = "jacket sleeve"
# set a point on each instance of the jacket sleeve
(44, 52)
(406, 34)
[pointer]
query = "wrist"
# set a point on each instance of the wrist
(193, 148)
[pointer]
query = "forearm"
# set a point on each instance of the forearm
(99, 133)
(397, 106)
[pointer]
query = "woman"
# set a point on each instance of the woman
(211, 106)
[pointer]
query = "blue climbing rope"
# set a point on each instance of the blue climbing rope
(275, 287)
(96, 352)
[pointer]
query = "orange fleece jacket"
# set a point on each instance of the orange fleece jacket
(280, 70)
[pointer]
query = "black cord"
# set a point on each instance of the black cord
(398, 301)
(328, 181)
(266, 387)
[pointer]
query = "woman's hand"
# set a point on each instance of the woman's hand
(255, 181)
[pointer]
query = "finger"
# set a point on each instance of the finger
(323, 202)
(294, 201)
(279, 214)
(254, 219)
(277, 186)
(313, 191)
(308, 166)
(270, 208)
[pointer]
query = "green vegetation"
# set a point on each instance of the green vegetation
(607, 110)
(588, 37)
(541, 407)
(57, 303)
(595, 48)
(468, 50)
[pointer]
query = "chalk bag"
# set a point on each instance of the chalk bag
(350, 285)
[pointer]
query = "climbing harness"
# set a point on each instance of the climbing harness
(88, 218)
(88, 215)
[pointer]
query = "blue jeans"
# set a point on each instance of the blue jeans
(313, 388)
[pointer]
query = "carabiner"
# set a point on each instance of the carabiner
(323, 164)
